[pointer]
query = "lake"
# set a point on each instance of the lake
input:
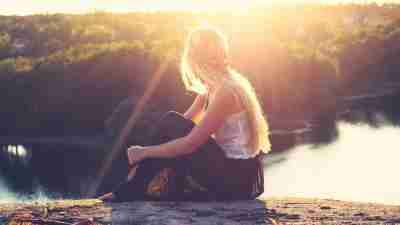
(361, 165)
(354, 156)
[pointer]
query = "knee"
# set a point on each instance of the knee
(172, 119)
(172, 114)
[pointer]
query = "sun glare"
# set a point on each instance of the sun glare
(82, 6)
(194, 5)
(207, 5)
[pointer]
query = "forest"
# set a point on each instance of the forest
(64, 74)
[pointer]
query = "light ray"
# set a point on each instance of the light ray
(83, 6)
(137, 112)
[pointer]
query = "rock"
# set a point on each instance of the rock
(325, 207)
(374, 218)
(270, 211)
(292, 217)
(359, 214)
(393, 221)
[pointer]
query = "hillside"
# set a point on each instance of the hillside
(64, 74)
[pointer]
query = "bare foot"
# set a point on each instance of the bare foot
(107, 197)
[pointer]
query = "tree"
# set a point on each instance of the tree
(97, 34)
(7, 66)
(5, 45)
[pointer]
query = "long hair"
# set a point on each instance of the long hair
(205, 61)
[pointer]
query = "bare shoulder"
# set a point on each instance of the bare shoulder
(224, 97)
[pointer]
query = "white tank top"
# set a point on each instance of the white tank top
(234, 135)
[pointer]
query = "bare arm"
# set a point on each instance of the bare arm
(218, 110)
(196, 109)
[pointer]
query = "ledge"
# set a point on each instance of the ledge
(270, 211)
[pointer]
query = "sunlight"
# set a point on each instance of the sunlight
(78, 6)
(349, 169)
(182, 5)
(17, 150)
(206, 5)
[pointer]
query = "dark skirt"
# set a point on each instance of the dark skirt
(206, 174)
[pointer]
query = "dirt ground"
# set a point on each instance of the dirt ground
(293, 211)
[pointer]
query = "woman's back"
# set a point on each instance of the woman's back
(234, 135)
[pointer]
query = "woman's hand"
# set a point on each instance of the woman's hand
(136, 154)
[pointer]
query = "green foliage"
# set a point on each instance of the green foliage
(96, 34)
(8, 66)
(5, 44)
(86, 52)
(295, 56)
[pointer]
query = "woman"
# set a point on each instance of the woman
(219, 157)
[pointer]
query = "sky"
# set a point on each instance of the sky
(24, 7)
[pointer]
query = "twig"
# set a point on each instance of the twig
(40, 221)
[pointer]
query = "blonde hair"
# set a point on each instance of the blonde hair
(205, 59)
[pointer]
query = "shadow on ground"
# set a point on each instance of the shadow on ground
(182, 213)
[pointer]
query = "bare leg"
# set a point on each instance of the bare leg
(107, 197)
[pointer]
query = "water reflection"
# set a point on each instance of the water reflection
(314, 157)
(15, 171)
(373, 111)
(16, 154)
(43, 170)
(362, 165)
(6, 194)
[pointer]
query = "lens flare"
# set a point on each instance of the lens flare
(79, 6)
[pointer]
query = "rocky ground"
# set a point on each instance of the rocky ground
(271, 211)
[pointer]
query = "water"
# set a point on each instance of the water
(24, 179)
(361, 165)
(6, 194)
(351, 157)
(17, 158)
